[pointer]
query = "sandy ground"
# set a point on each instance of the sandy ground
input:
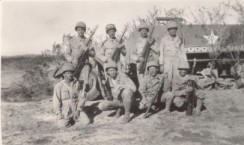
(221, 124)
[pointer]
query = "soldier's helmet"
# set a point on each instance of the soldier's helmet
(152, 64)
(80, 25)
(172, 24)
(111, 64)
(183, 65)
(65, 67)
(110, 27)
(143, 26)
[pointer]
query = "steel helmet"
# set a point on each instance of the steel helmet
(152, 63)
(110, 27)
(111, 64)
(143, 26)
(80, 25)
(172, 24)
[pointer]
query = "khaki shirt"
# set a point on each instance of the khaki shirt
(171, 47)
(121, 80)
(140, 44)
(64, 91)
(108, 47)
(76, 47)
(149, 86)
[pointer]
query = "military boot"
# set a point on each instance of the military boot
(199, 106)
(125, 119)
(118, 112)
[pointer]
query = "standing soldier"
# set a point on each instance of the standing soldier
(171, 50)
(149, 87)
(240, 81)
(122, 88)
(77, 46)
(181, 89)
(110, 45)
(68, 100)
(140, 45)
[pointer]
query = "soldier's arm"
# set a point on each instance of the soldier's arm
(176, 88)
(161, 52)
(57, 102)
(183, 51)
(154, 47)
(67, 53)
(102, 52)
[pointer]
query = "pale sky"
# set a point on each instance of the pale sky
(31, 26)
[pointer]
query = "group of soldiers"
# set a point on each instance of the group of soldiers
(166, 66)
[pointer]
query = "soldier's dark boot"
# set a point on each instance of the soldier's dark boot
(199, 106)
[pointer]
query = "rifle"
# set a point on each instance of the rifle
(191, 97)
(160, 88)
(106, 93)
(83, 59)
(145, 54)
(116, 52)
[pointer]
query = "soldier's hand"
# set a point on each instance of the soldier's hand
(140, 59)
(108, 59)
(161, 69)
(76, 115)
(60, 116)
(188, 89)
(119, 46)
(144, 101)
(151, 41)
(92, 53)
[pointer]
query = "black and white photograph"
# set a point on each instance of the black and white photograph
(122, 72)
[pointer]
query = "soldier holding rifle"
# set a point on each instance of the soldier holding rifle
(183, 92)
(112, 45)
(68, 100)
(77, 46)
(144, 44)
(150, 87)
(122, 88)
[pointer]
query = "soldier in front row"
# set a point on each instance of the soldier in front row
(240, 81)
(110, 45)
(149, 88)
(122, 89)
(181, 89)
(68, 100)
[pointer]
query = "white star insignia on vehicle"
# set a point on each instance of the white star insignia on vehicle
(211, 38)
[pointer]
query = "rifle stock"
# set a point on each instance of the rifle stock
(191, 97)
(116, 52)
(145, 54)
(155, 97)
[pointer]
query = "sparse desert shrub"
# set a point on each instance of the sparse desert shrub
(36, 84)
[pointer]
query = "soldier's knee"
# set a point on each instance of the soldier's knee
(102, 105)
(127, 94)
(179, 101)
(167, 96)
(201, 95)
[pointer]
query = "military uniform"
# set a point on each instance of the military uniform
(68, 100)
(149, 88)
(240, 81)
(137, 52)
(121, 99)
(76, 47)
(181, 89)
(171, 51)
(107, 49)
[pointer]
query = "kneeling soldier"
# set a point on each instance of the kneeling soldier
(68, 100)
(122, 89)
(181, 89)
(149, 87)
